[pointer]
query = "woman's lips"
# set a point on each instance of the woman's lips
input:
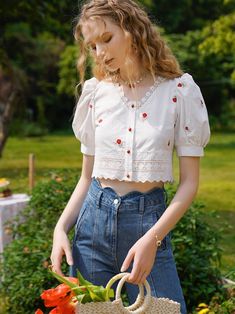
(109, 61)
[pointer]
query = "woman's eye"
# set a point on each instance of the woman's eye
(108, 39)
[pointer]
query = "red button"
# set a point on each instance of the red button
(130, 129)
(128, 152)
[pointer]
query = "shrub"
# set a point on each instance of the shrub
(26, 258)
(197, 255)
(25, 128)
(220, 303)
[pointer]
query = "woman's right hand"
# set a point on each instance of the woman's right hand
(61, 246)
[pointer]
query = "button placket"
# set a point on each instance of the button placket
(130, 140)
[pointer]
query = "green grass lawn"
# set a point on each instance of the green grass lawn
(217, 183)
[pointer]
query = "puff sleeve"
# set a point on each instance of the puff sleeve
(192, 131)
(83, 122)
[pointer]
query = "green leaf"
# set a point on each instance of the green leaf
(95, 297)
(82, 280)
(80, 297)
(64, 280)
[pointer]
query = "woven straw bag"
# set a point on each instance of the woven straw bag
(144, 304)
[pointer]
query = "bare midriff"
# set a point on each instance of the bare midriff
(124, 187)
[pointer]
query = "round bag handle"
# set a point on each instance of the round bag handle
(142, 301)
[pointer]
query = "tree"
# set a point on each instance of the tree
(10, 92)
(208, 55)
(32, 36)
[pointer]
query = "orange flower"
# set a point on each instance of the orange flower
(61, 298)
(67, 308)
(58, 296)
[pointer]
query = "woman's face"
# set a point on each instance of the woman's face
(107, 42)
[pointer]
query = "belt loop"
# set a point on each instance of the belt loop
(141, 205)
(98, 197)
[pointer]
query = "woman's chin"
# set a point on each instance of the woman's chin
(112, 68)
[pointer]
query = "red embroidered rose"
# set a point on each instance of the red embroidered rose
(180, 85)
(144, 115)
(118, 141)
(100, 120)
(174, 99)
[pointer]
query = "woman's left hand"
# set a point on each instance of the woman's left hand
(143, 252)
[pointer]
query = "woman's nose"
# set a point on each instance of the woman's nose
(100, 52)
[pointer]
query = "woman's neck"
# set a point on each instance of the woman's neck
(134, 73)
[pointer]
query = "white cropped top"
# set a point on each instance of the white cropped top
(134, 140)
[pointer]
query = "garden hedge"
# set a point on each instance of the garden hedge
(24, 270)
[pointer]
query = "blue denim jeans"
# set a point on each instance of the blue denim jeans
(108, 225)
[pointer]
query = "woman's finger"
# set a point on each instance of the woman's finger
(127, 261)
(136, 271)
(56, 264)
(69, 257)
(143, 277)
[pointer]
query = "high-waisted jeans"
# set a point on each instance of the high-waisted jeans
(108, 225)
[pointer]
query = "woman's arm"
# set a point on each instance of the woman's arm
(61, 245)
(187, 190)
(144, 250)
(71, 211)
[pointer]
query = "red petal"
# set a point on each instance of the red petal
(67, 308)
(59, 291)
(39, 311)
(72, 279)
(57, 301)
(55, 311)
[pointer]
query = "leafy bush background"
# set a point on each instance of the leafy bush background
(26, 258)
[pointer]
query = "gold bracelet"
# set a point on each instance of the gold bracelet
(158, 242)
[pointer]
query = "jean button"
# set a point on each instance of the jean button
(115, 201)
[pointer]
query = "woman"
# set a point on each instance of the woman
(138, 106)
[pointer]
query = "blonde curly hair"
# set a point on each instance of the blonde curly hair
(155, 55)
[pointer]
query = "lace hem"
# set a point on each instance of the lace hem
(145, 166)
(140, 172)
(165, 179)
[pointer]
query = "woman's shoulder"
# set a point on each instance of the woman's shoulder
(95, 84)
(185, 83)
(90, 83)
